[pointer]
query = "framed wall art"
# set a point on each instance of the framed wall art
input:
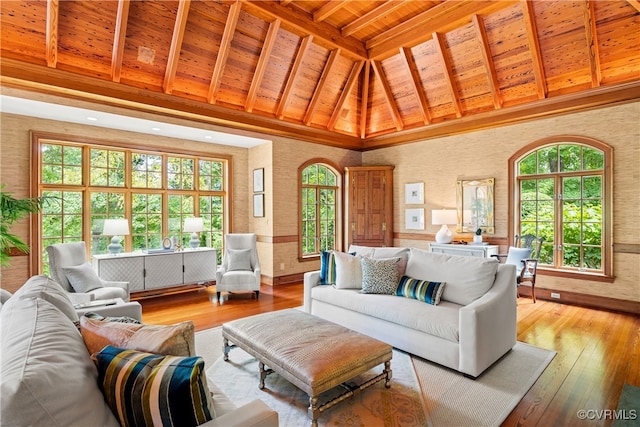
(414, 219)
(258, 180)
(258, 205)
(414, 193)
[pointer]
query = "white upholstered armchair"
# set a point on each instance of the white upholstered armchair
(240, 269)
(69, 267)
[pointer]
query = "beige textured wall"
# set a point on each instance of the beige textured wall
(15, 167)
(440, 162)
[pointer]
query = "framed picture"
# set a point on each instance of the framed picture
(414, 193)
(258, 205)
(258, 180)
(414, 219)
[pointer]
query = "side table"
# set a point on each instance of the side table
(115, 307)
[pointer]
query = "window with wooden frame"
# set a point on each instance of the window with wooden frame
(89, 181)
(320, 216)
(562, 189)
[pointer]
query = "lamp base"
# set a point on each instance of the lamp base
(115, 247)
(444, 235)
(194, 243)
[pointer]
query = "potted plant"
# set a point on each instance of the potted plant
(478, 236)
(12, 210)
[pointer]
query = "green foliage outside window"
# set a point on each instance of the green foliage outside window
(319, 212)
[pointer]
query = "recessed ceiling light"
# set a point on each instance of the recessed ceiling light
(92, 119)
(156, 129)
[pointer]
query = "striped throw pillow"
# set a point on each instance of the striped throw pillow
(422, 290)
(146, 389)
(327, 268)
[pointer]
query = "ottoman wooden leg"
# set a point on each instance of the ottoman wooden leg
(313, 411)
(388, 372)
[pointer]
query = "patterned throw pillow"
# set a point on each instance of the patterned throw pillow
(327, 268)
(422, 290)
(379, 275)
(145, 389)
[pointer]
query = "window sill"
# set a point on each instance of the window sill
(594, 277)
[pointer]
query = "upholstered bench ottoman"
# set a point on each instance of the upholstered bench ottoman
(312, 353)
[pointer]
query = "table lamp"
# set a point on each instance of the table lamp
(115, 228)
(194, 226)
(444, 217)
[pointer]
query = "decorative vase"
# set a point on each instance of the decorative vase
(477, 239)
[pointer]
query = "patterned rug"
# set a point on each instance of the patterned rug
(422, 393)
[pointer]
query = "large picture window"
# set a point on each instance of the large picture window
(156, 191)
(562, 196)
(319, 208)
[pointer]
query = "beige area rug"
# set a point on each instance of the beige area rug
(422, 393)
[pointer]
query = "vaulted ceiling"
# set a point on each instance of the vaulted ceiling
(357, 74)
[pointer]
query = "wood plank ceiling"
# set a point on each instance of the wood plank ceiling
(357, 74)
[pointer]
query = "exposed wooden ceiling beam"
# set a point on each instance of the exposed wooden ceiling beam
(635, 4)
(365, 99)
(370, 17)
(448, 73)
(303, 24)
(534, 48)
(263, 62)
(317, 93)
(388, 95)
(285, 2)
(487, 59)
(441, 18)
(592, 42)
(176, 44)
(416, 83)
(346, 91)
(223, 52)
(119, 38)
(293, 76)
(328, 9)
(53, 9)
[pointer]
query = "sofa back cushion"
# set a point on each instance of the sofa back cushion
(467, 278)
(48, 378)
(50, 290)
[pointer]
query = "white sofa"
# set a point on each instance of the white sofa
(472, 327)
(48, 378)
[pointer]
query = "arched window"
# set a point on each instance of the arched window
(319, 208)
(562, 193)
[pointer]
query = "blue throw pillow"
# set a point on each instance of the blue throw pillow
(422, 290)
(327, 268)
(145, 389)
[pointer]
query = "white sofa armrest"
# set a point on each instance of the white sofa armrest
(114, 284)
(255, 413)
(488, 326)
(311, 279)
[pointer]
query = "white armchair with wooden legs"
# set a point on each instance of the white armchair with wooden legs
(240, 269)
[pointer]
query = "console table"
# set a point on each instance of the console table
(145, 271)
(481, 251)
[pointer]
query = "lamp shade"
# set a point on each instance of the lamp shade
(193, 225)
(116, 227)
(444, 217)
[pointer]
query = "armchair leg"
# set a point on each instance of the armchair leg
(533, 291)
(217, 296)
(257, 294)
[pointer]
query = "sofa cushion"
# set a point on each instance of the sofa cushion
(422, 290)
(441, 321)
(145, 389)
(82, 277)
(380, 276)
(176, 340)
(48, 379)
(327, 268)
(348, 271)
(49, 290)
(392, 252)
(361, 250)
(467, 278)
(239, 259)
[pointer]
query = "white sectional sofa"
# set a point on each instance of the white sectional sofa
(47, 377)
(473, 325)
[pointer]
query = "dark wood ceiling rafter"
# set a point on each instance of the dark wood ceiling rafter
(412, 69)
(448, 73)
(388, 95)
(53, 10)
(119, 39)
(346, 91)
(365, 99)
(487, 60)
(263, 62)
(534, 49)
(293, 76)
(371, 17)
(176, 44)
(591, 34)
(320, 87)
(223, 52)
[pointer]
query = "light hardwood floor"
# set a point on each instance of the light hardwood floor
(597, 351)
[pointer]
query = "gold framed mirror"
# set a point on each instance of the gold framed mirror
(475, 205)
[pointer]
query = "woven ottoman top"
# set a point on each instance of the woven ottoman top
(318, 353)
